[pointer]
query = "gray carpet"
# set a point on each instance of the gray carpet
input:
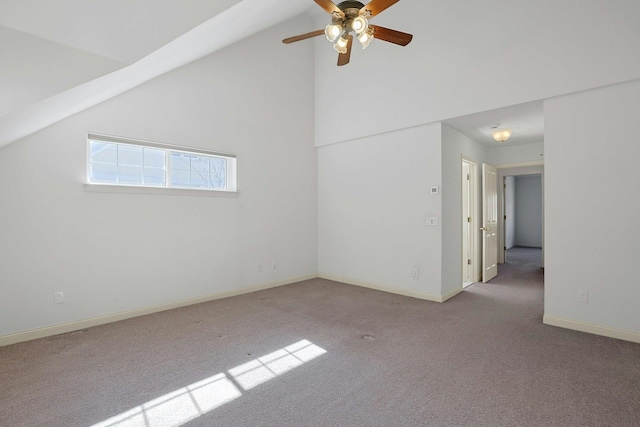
(320, 353)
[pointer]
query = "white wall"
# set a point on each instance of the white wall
(529, 211)
(592, 231)
(34, 68)
(373, 200)
(514, 154)
(110, 253)
(468, 57)
(455, 146)
(510, 212)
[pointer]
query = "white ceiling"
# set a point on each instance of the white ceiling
(244, 19)
(526, 121)
(124, 30)
(171, 33)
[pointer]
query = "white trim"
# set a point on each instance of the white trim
(109, 318)
(397, 291)
(604, 331)
(165, 191)
(521, 165)
(451, 294)
(476, 266)
(505, 171)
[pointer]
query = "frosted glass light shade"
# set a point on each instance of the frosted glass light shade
(365, 39)
(501, 135)
(341, 44)
(332, 32)
(360, 24)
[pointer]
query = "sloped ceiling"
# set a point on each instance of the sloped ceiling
(124, 30)
(242, 19)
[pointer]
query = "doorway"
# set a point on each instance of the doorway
(522, 207)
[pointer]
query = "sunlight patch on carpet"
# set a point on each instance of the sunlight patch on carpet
(264, 368)
(188, 403)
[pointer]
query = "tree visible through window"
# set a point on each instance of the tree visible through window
(197, 171)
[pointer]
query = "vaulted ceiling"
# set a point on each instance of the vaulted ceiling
(137, 41)
(123, 30)
(106, 47)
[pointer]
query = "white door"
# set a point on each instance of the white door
(489, 222)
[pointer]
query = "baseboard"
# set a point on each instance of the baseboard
(403, 292)
(101, 320)
(591, 329)
(450, 295)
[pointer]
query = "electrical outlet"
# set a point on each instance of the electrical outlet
(414, 272)
(58, 297)
(273, 265)
(583, 296)
(258, 267)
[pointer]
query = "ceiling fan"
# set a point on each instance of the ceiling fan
(353, 16)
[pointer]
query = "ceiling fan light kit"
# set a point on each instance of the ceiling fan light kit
(353, 17)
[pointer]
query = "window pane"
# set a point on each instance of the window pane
(154, 176)
(103, 152)
(103, 173)
(129, 174)
(199, 180)
(129, 155)
(154, 158)
(180, 161)
(218, 176)
(200, 164)
(180, 178)
(198, 171)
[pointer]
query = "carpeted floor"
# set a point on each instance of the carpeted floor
(320, 353)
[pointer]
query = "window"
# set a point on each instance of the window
(125, 162)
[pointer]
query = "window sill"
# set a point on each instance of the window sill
(134, 189)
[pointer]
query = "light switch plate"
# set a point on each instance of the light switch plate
(432, 221)
(435, 190)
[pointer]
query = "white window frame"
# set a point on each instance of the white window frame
(231, 189)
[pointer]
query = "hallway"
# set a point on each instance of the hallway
(521, 264)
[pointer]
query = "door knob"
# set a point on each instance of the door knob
(485, 229)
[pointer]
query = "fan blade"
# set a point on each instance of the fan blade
(303, 37)
(330, 7)
(343, 58)
(391, 36)
(376, 6)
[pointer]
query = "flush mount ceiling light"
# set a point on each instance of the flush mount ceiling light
(500, 135)
(353, 17)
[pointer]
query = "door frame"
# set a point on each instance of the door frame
(516, 169)
(475, 199)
